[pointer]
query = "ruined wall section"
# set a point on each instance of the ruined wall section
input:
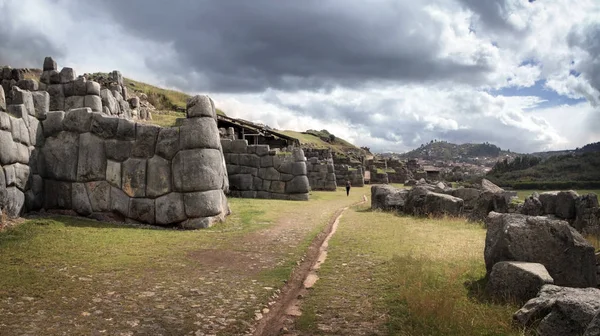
(21, 186)
(344, 172)
(97, 164)
(320, 169)
(255, 171)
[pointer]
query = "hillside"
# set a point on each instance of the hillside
(578, 170)
(589, 148)
(444, 151)
(321, 140)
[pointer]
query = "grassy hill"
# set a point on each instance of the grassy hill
(442, 150)
(569, 171)
(337, 145)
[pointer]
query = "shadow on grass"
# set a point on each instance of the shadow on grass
(476, 289)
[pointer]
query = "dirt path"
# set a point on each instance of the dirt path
(287, 306)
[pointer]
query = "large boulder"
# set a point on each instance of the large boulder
(561, 310)
(487, 185)
(532, 206)
(587, 218)
(567, 256)
(517, 281)
(437, 204)
(386, 197)
(487, 202)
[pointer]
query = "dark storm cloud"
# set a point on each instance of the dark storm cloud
(248, 46)
(492, 14)
(22, 45)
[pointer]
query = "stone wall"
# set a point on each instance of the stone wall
(320, 168)
(106, 166)
(20, 138)
(255, 171)
(344, 172)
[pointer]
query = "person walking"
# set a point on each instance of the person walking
(348, 185)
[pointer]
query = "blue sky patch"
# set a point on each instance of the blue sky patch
(550, 97)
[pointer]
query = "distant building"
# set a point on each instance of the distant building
(255, 134)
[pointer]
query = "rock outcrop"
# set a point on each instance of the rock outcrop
(517, 281)
(567, 256)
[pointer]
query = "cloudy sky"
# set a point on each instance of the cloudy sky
(387, 74)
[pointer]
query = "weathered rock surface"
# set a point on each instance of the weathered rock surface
(567, 256)
(517, 281)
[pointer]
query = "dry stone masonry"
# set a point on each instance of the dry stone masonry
(95, 161)
(320, 168)
(256, 171)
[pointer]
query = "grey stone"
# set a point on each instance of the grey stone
(80, 86)
(298, 168)
(53, 124)
(74, 102)
(532, 206)
(19, 131)
(517, 281)
(487, 185)
(159, 178)
(593, 328)
(386, 197)
(28, 84)
(277, 187)
(119, 201)
(298, 197)
(134, 102)
(298, 155)
(60, 156)
(167, 144)
(231, 158)
(240, 182)
(565, 204)
(4, 121)
(104, 126)
(49, 64)
(201, 133)
(125, 93)
(21, 153)
(269, 174)
(560, 310)
(41, 103)
(21, 172)
(99, 195)
(92, 158)
(113, 173)
(145, 140)
(80, 200)
(226, 145)
(57, 97)
(134, 177)
(92, 88)
(170, 209)
(106, 110)
(93, 102)
(118, 150)
(286, 177)
(125, 110)
(285, 168)
(249, 160)
(548, 200)
(488, 202)
(262, 150)
(14, 202)
(200, 106)
(266, 161)
(198, 170)
(567, 256)
(37, 184)
(67, 75)
(78, 120)
(199, 223)
(69, 89)
(142, 209)
(10, 176)
(116, 76)
(17, 111)
(57, 194)
(109, 101)
(437, 204)
(23, 97)
(298, 185)
(239, 146)
(126, 130)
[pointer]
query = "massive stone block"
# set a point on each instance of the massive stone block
(67, 75)
(78, 120)
(297, 185)
(57, 97)
(41, 103)
(199, 133)
(134, 177)
(104, 126)
(49, 64)
(92, 88)
(8, 153)
(80, 86)
(142, 209)
(126, 130)
(109, 101)
(168, 142)
(512, 281)
(118, 150)
(92, 158)
(567, 256)
(23, 97)
(93, 102)
(113, 173)
(145, 140)
(198, 170)
(60, 156)
(170, 209)
(14, 202)
(74, 102)
(200, 106)
(159, 177)
(53, 123)
(57, 194)
(80, 200)
(119, 202)
(99, 195)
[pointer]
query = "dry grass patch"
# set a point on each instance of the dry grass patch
(394, 275)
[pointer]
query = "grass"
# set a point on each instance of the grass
(165, 118)
(339, 145)
(390, 275)
(523, 194)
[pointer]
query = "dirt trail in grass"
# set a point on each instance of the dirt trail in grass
(303, 278)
